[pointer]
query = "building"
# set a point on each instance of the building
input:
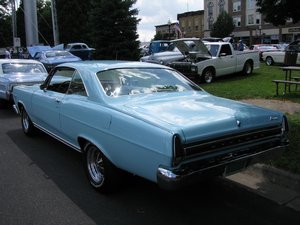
(168, 31)
(192, 23)
(249, 24)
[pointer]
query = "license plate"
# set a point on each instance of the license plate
(235, 167)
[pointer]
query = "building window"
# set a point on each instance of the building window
(237, 21)
(257, 19)
(210, 7)
(236, 6)
(196, 28)
(221, 6)
(210, 22)
(251, 4)
(250, 19)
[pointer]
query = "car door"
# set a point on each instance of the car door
(74, 106)
(46, 103)
(225, 62)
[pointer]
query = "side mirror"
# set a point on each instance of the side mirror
(43, 87)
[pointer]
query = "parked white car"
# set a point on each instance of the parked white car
(278, 57)
(15, 72)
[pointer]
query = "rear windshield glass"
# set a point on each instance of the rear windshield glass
(119, 82)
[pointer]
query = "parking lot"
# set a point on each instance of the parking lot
(42, 182)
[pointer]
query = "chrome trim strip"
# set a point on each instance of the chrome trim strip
(57, 137)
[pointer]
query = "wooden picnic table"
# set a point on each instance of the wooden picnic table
(288, 78)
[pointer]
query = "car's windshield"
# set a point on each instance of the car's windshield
(172, 48)
(133, 81)
(23, 68)
(213, 49)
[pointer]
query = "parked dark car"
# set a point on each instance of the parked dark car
(81, 50)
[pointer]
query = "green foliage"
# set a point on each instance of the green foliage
(257, 85)
(290, 159)
(161, 36)
(44, 17)
(5, 24)
(72, 17)
(223, 27)
(278, 12)
(113, 29)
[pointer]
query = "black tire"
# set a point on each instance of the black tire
(27, 125)
(248, 68)
(208, 75)
(269, 61)
(101, 173)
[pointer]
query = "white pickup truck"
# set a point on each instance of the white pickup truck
(224, 60)
(207, 60)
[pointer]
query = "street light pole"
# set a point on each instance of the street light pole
(54, 23)
(14, 19)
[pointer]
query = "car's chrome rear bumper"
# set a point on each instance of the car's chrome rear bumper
(176, 178)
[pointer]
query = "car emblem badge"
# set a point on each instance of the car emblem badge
(273, 118)
(238, 123)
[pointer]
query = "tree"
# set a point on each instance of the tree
(44, 17)
(113, 29)
(278, 12)
(44, 22)
(223, 27)
(72, 17)
(5, 24)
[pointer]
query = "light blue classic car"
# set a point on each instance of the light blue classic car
(15, 72)
(148, 120)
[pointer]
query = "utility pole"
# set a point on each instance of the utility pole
(54, 23)
(31, 25)
(14, 19)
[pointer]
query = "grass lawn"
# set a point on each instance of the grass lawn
(260, 85)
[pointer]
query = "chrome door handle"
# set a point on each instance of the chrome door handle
(57, 100)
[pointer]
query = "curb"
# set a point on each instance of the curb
(272, 183)
(275, 176)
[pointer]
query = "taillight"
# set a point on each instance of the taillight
(284, 126)
(178, 151)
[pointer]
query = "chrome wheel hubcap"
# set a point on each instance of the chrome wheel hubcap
(95, 165)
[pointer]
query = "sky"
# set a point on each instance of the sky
(158, 12)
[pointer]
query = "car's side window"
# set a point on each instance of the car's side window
(77, 86)
(226, 49)
(60, 80)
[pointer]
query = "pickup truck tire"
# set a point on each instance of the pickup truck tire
(102, 174)
(269, 61)
(27, 125)
(248, 68)
(208, 75)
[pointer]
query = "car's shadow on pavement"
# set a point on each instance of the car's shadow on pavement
(142, 202)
